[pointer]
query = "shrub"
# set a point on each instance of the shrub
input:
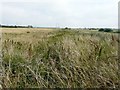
(101, 29)
(66, 28)
(105, 30)
(108, 30)
(28, 32)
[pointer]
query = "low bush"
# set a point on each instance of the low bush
(105, 30)
(108, 30)
(101, 30)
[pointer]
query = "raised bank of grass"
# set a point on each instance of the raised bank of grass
(61, 59)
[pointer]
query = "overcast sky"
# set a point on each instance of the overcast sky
(60, 13)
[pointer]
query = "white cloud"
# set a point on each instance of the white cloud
(72, 13)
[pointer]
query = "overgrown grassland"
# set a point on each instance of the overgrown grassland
(60, 59)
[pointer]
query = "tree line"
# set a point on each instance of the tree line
(15, 26)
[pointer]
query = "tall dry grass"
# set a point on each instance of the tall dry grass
(61, 59)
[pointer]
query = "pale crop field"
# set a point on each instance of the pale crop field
(56, 58)
(24, 30)
(24, 34)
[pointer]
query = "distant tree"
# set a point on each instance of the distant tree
(108, 30)
(15, 26)
(105, 30)
(101, 30)
(66, 28)
(30, 26)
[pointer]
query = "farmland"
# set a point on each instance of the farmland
(56, 58)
